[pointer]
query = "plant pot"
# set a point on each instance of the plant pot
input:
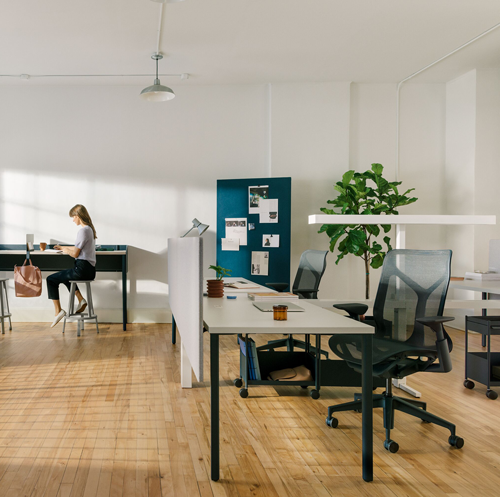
(215, 289)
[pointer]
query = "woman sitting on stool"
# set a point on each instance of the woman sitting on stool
(85, 259)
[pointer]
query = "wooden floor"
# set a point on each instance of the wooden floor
(104, 415)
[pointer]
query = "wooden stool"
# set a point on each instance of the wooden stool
(3, 295)
(81, 317)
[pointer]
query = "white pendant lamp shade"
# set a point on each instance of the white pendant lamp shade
(157, 92)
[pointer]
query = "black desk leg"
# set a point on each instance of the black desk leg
(214, 406)
(124, 291)
(174, 329)
(367, 407)
(484, 296)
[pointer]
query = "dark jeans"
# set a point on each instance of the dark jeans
(83, 270)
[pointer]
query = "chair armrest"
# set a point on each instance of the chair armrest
(279, 287)
(306, 293)
(435, 323)
(354, 310)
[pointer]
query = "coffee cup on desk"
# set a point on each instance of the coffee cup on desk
(43, 246)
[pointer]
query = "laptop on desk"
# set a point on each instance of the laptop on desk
(268, 306)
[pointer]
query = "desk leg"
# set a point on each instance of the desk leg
(367, 407)
(214, 406)
(484, 312)
(174, 329)
(124, 291)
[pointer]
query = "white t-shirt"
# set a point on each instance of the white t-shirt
(86, 243)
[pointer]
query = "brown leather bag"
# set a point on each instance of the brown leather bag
(27, 280)
(299, 373)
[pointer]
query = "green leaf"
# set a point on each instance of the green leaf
(377, 261)
(373, 229)
(327, 211)
(346, 179)
(386, 228)
(387, 241)
(377, 169)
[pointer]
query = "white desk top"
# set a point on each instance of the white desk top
(223, 316)
(40, 252)
(477, 286)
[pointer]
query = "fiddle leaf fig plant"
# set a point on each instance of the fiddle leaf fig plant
(220, 271)
(366, 193)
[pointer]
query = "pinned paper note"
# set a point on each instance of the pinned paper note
(236, 227)
(268, 210)
(260, 263)
(255, 196)
(230, 244)
(271, 241)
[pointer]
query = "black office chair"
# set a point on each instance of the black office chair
(311, 268)
(409, 334)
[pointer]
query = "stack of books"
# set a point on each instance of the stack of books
(273, 297)
(482, 276)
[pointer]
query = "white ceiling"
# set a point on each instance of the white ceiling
(243, 41)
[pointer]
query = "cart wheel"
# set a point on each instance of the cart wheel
(391, 446)
(304, 387)
(238, 383)
(244, 393)
(491, 394)
(332, 422)
(315, 394)
(469, 384)
(455, 441)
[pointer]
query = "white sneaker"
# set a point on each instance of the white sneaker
(58, 318)
(81, 306)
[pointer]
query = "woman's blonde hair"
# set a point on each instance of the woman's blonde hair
(80, 211)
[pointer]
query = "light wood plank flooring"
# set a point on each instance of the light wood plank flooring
(104, 415)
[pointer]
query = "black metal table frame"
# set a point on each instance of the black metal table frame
(366, 397)
(7, 262)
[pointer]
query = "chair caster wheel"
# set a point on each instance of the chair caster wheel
(391, 446)
(455, 441)
(469, 384)
(304, 387)
(244, 393)
(491, 394)
(357, 410)
(315, 394)
(332, 422)
(238, 382)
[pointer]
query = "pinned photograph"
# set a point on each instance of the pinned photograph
(255, 195)
(251, 226)
(268, 211)
(272, 241)
(236, 228)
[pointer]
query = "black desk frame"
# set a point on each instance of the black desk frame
(109, 263)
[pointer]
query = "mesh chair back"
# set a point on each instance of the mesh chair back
(312, 265)
(413, 284)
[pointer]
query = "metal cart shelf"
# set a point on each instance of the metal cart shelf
(478, 365)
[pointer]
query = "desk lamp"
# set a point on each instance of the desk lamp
(196, 224)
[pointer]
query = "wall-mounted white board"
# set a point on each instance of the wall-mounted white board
(185, 287)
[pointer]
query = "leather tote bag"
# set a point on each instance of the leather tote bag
(27, 280)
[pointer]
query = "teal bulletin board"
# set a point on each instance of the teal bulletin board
(233, 201)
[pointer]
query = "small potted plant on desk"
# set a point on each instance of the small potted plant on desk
(215, 288)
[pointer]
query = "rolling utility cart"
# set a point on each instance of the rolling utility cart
(478, 365)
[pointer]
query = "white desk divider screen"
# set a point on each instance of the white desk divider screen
(185, 288)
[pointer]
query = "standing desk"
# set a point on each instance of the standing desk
(233, 317)
(112, 260)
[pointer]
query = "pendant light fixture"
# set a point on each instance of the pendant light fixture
(157, 92)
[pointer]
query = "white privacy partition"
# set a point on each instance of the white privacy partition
(185, 286)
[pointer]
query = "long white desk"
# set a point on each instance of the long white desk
(233, 317)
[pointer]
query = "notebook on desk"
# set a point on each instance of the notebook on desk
(268, 306)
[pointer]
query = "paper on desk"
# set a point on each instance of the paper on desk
(260, 263)
(230, 244)
(236, 227)
(53, 251)
(268, 210)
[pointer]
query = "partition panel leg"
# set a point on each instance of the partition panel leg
(214, 407)
(186, 371)
(367, 407)
(124, 292)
